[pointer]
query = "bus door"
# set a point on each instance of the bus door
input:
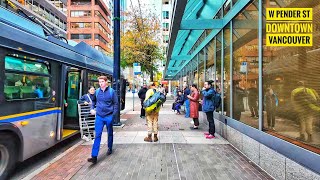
(73, 88)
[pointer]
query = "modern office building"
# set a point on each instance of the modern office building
(166, 14)
(90, 21)
(270, 92)
(52, 13)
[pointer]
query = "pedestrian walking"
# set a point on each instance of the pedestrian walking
(142, 96)
(194, 106)
(152, 117)
(106, 103)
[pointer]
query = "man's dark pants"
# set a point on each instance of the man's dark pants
(211, 122)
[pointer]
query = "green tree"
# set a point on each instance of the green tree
(140, 43)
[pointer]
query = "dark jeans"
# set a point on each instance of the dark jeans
(271, 117)
(177, 107)
(253, 108)
(210, 119)
(143, 111)
(196, 121)
(237, 115)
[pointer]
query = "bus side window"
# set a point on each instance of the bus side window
(26, 79)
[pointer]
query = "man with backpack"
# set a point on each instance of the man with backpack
(152, 116)
(106, 103)
(208, 106)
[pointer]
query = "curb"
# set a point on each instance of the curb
(43, 167)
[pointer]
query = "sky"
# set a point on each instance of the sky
(152, 5)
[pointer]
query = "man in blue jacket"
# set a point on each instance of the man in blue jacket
(106, 103)
(186, 92)
(208, 107)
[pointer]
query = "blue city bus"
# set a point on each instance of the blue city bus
(41, 79)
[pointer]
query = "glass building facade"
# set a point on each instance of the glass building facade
(272, 89)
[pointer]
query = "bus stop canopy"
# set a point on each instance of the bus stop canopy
(191, 19)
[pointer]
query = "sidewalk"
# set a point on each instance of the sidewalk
(180, 153)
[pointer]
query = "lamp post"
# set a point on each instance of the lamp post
(116, 63)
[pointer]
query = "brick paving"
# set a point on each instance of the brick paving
(181, 153)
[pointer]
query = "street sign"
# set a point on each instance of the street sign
(244, 67)
(136, 69)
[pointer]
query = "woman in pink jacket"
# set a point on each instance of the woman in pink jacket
(194, 105)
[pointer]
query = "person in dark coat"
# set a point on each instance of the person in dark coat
(238, 106)
(87, 98)
(253, 100)
(142, 96)
(179, 101)
(271, 103)
(194, 105)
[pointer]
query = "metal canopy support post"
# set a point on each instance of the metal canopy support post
(116, 64)
(222, 71)
(260, 66)
(205, 59)
(231, 67)
(215, 62)
(198, 69)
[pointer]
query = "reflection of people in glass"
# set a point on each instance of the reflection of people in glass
(238, 105)
(253, 100)
(18, 83)
(270, 102)
(38, 91)
(305, 102)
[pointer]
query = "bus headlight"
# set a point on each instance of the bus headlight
(52, 134)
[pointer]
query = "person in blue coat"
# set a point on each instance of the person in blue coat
(106, 103)
(208, 107)
(186, 92)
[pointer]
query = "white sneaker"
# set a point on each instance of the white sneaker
(85, 138)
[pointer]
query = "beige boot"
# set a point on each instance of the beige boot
(148, 138)
(155, 138)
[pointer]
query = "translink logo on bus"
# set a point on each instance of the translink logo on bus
(289, 27)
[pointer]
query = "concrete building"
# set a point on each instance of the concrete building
(90, 21)
(52, 13)
(166, 8)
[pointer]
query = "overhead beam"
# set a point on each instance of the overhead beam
(197, 24)
(280, 3)
(182, 57)
(200, 24)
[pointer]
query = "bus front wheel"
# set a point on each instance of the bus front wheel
(8, 155)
